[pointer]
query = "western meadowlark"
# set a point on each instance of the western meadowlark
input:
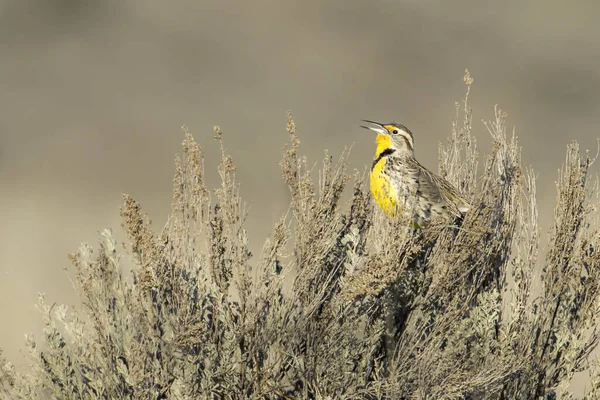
(400, 184)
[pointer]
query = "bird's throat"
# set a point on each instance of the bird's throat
(383, 149)
(384, 142)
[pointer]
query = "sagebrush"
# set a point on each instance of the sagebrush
(342, 302)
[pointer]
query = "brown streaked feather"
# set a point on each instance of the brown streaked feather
(434, 195)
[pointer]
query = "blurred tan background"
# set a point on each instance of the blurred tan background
(93, 95)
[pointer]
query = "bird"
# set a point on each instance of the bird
(400, 185)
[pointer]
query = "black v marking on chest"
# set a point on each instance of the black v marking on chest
(384, 153)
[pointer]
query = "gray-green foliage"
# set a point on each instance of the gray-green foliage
(342, 302)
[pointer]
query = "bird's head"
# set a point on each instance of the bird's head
(393, 136)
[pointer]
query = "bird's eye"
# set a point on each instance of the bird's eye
(395, 131)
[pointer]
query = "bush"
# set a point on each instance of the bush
(342, 303)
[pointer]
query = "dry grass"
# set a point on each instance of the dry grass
(342, 303)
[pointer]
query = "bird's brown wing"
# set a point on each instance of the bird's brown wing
(438, 190)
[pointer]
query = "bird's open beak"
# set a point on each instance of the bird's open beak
(379, 129)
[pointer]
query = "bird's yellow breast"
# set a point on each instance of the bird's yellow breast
(383, 192)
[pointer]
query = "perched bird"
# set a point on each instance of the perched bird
(400, 184)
